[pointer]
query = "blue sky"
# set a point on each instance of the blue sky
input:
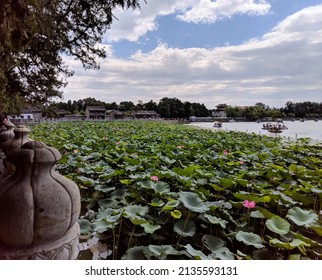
(237, 52)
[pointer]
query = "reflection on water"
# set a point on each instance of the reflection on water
(296, 129)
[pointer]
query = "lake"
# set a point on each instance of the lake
(296, 129)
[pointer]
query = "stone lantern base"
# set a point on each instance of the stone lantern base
(65, 248)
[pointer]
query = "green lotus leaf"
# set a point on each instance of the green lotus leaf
(161, 187)
(302, 217)
(227, 183)
(135, 253)
(176, 214)
(257, 199)
(292, 168)
(136, 210)
(156, 202)
(185, 228)
(296, 243)
(213, 243)
(250, 238)
(150, 227)
(307, 240)
(85, 226)
(147, 184)
(137, 220)
(278, 225)
(101, 226)
(265, 213)
(317, 229)
(257, 214)
(215, 220)
(161, 252)
(87, 182)
(223, 253)
(196, 254)
(171, 204)
(192, 202)
(126, 182)
(108, 203)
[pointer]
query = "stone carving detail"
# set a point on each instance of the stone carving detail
(39, 207)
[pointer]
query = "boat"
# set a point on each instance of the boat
(217, 124)
(275, 129)
(271, 127)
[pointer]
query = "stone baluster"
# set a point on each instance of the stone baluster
(13, 144)
(6, 133)
(39, 207)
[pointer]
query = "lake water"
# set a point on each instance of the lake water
(296, 129)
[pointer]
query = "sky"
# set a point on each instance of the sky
(237, 52)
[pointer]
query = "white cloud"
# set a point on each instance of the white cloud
(284, 64)
(207, 11)
(131, 25)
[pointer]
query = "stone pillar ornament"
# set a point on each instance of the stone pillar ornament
(7, 133)
(39, 207)
(13, 144)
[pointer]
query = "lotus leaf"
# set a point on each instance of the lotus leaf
(185, 227)
(196, 254)
(161, 187)
(302, 217)
(161, 252)
(176, 214)
(213, 243)
(192, 202)
(135, 253)
(85, 226)
(250, 239)
(215, 220)
(150, 227)
(278, 225)
(296, 243)
(170, 205)
(136, 210)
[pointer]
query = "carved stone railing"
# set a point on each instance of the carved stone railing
(39, 207)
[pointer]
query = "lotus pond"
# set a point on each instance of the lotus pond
(168, 191)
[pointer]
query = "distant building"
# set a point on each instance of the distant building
(113, 114)
(200, 119)
(95, 112)
(29, 114)
(61, 113)
(145, 114)
(220, 111)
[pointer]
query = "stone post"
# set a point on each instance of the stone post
(39, 208)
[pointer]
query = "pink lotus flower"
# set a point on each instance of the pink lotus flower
(249, 204)
(117, 143)
(241, 162)
(180, 147)
(155, 178)
(225, 152)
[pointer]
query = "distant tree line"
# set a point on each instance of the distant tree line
(291, 110)
(166, 107)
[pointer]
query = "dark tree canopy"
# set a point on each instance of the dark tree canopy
(35, 34)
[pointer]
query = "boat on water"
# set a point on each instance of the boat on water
(217, 124)
(274, 127)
